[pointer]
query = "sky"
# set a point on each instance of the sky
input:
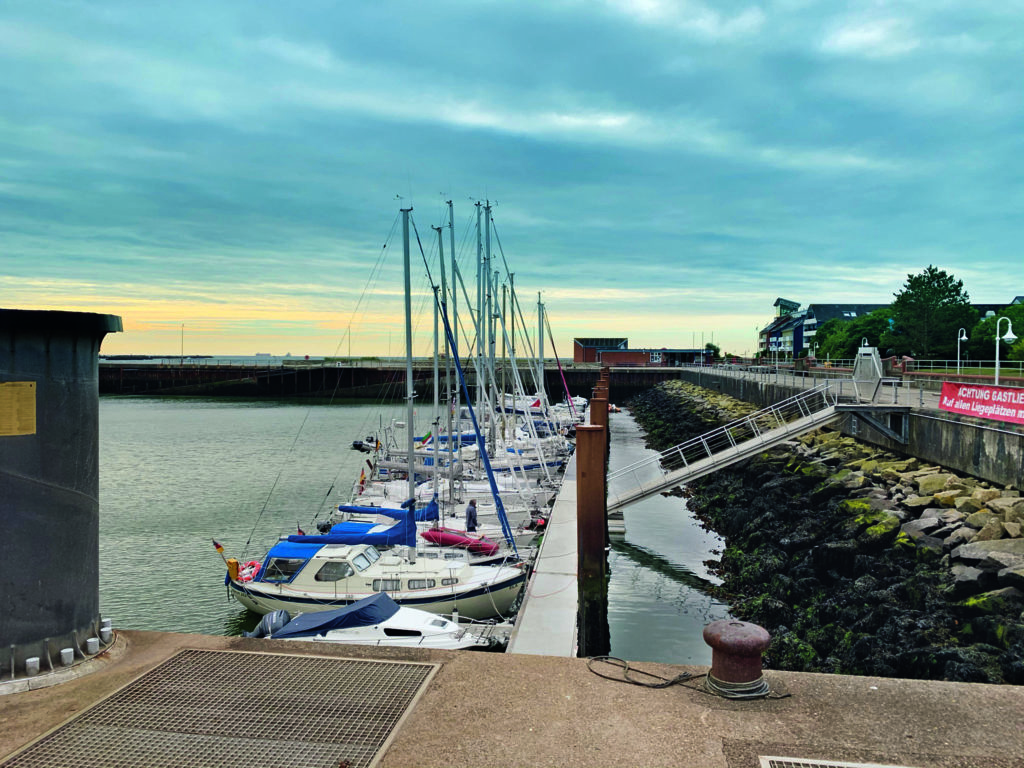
(226, 176)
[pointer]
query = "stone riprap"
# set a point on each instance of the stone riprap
(857, 560)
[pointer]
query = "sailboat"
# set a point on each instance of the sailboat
(317, 573)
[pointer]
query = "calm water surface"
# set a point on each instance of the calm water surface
(657, 607)
(176, 473)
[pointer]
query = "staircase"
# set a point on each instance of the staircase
(721, 447)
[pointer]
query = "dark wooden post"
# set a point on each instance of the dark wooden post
(591, 540)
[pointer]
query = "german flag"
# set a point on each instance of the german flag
(218, 546)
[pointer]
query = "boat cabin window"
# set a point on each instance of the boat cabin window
(282, 569)
(334, 570)
(396, 632)
(383, 585)
(454, 556)
(365, 559)
(360, 562)
(449, 582)
(439, 623)
(421, 583)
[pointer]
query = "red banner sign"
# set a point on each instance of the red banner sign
(997, 403)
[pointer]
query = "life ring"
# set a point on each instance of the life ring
(249, 571)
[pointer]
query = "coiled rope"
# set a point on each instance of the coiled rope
(758, 689)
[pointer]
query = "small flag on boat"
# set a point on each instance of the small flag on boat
(301, 532)
(426, 438)
(536, 404)
(362, 480)
(217, 545)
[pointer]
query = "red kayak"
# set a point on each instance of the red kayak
(452, 537)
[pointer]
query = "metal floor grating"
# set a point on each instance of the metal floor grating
(225, 708)
(796, 762)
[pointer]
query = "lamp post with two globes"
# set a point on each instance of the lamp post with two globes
(1009, 338)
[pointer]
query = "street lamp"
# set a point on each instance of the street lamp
(961, 337)
(1009, 338)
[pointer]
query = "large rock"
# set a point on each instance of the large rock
(948, 498)
(985, 495)
(1011, 577)
(915, 529)
(976, 551)
(993, 530)
(882, 532)
(997, 561)
(968, 580)
(1012, 530)
(967, 505)
(904, 465)
(932, 484)
(1006, 600)
(961, 535)
(919, 502)
(1005, 504)
(980, 519)
(950, 516)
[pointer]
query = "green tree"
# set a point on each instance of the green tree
(927, 312)
(981, 343)
(716, 351)
(842, 338)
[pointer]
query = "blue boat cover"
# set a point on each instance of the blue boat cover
(426, 514)
(401, 532)
(290, 549)
(362, 613)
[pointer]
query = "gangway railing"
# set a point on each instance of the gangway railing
(733, 442)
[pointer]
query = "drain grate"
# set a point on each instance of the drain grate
(225, 708)
(794, 762)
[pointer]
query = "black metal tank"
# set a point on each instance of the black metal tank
(49, 483)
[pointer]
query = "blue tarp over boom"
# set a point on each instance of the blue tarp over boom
(428, 513)
(362, 613)
(401, 532)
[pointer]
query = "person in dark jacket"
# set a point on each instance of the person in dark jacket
(471, 516)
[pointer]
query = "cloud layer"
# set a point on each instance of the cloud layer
(661, 170)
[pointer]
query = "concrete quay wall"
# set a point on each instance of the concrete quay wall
(982, 449)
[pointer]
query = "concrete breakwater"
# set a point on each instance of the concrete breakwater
(856, 559)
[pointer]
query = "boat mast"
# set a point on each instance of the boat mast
(489, 320)
(480, 375)
(504, 364)
(447, 369)
(453, 407)
(409, 394)
(540, 351)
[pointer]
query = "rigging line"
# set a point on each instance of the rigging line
(277, 479)
(565, 384)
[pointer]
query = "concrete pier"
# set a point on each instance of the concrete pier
(483, 709)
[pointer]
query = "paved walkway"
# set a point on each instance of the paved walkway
(485, 709)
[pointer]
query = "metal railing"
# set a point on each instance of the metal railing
(767, 425)
(967, 367)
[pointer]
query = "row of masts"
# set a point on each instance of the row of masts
(489, 324)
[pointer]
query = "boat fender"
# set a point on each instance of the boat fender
(232, 569)
(270, 624)
(249, 571)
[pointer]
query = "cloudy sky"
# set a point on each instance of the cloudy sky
(659, 170)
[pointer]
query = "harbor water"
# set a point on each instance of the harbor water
(176, 474)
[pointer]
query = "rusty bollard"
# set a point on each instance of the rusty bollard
(736, 648)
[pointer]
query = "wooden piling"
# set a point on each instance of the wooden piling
(591, 501)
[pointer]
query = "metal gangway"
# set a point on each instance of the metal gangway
(736, 441)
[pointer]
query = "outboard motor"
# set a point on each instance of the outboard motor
(269, 624)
